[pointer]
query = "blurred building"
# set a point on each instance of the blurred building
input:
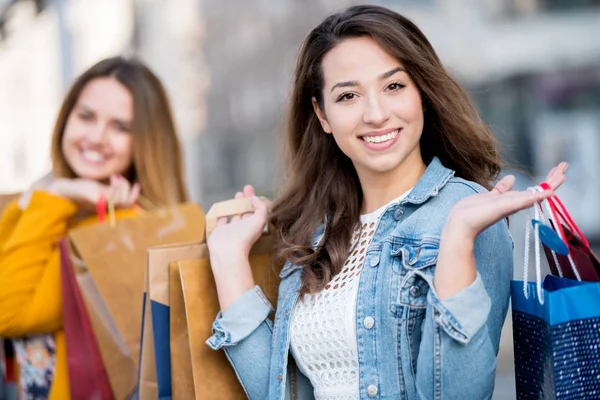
(532, 66)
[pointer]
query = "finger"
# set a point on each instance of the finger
(115, 187)
(513, 202)
(238, 195)
(504, 185)
(260, 208)
(222, 221)
(557, 176)
(126, 189)
(134, 194)
(249, 191)
(108, 191)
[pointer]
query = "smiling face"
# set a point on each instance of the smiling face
(372, 108)
(97, 140)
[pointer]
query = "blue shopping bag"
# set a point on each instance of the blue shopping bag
(556, 339)
(556, 324)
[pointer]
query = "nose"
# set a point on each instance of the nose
(376, 112)
(97, 133)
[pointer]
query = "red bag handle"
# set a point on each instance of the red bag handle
(558, 209)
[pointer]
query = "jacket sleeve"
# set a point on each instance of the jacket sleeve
(30, 290)
(461, 334)
(245, 333)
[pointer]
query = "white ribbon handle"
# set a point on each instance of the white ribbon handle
(537, 212)
(534, 213)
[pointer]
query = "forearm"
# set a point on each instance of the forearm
(233, 277)
(456, 268)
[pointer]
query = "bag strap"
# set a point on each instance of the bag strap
(560, 210)
(229, 208)
(534, 214)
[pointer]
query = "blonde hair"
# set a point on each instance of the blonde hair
(157, 158)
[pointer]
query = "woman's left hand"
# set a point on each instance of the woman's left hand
(456, 268)
(475, 213)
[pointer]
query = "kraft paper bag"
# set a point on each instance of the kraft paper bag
(110, 265)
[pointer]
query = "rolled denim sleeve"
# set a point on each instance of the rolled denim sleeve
(464, 314)
(241, 319)
(461, 334)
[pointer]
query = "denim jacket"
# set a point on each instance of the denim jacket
(411, 345)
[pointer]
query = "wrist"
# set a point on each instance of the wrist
(455, 230)
(56, 188)
(227, 262)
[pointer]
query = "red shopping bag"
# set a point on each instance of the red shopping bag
(579, 252)
(87, 376)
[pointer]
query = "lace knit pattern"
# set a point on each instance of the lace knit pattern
(323, 332)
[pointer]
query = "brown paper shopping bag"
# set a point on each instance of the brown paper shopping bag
(182, 377)
(213, 376)
(110, 265)
(155, 359)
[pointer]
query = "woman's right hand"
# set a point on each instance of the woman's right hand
(229, 248)
(239, 234)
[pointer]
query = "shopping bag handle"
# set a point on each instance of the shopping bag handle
(229, 208)
(560, 210)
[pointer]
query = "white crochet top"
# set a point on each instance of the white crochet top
(323, 326)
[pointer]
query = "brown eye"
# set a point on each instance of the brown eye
(85, 116)
(122, 127)
(395, 86)
(347, 97)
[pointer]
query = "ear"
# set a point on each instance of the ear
(321, 115)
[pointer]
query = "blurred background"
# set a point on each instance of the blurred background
(531, 66)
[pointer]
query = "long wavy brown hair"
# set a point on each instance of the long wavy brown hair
(157, 156)
(321, 181)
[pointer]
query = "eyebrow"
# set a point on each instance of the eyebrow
(90, 110)
(383, 76)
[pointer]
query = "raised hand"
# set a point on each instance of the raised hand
(473, 214)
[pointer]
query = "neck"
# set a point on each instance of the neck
(381, 188)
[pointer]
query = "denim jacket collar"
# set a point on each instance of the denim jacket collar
(432, 181)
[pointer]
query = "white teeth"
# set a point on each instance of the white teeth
(93, 156)
(380, 139)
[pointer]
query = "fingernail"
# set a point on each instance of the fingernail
(566, 166)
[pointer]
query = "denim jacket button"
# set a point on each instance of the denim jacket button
(398, 214)
(372, 390)
(280, 377)
(368, 322)
(415, 291)
(374, 261)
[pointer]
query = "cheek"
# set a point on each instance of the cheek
(415, 108)
(122, 145)
(344, 120)
(72, 133)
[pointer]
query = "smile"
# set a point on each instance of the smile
(381, 138)
(93, 156)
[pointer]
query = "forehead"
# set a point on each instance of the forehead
(107, 95)
(357, 59)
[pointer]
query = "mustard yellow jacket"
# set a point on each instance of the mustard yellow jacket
(30, 288)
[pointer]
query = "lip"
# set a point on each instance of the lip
(381, 133)
(381, 146)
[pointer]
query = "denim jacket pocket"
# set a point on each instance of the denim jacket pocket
(414, 266)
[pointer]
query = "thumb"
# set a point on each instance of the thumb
(504, 185)
(260, 208)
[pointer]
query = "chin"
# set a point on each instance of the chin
(87, 173)
(385, 166)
